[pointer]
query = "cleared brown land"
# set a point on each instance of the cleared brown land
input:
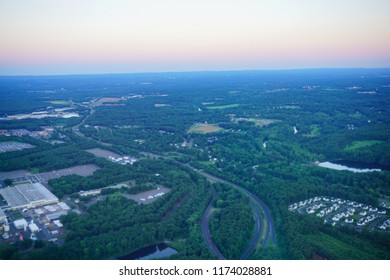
(204, 128)
(102, 153)
(109, 99)
(104, 100)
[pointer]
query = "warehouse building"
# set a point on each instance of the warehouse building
(21, 224)
(33, 228)
(27, 196)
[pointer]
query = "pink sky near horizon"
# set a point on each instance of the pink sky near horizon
(62, 37)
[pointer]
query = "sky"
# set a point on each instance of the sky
(126, 36)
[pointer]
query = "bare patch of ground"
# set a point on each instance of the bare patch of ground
(102, 153)
(204, 128)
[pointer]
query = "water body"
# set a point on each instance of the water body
(156, 251)
(345, 165)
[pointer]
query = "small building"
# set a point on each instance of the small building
(63, 205)
(3, 217)
(33, 228)
(21, 224)
(39, 211)
(50, 208)
(91, 192)
(58, 223)
(56, 216)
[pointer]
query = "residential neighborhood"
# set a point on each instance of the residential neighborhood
(342, 212)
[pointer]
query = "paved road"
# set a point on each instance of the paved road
(76, 128)
(258, 207)
(205, 228)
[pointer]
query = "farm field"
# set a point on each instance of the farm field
(220, 107)
(205, 128)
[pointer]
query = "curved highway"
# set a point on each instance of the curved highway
(205, 228)
(259, 209)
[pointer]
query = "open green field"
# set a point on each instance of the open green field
(361, 144)
(157, 105)
(314, 131)
(204, 128)
(223, 107)
(59, 102)
(289, 107)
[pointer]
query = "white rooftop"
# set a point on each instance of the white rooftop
(27, 195)
(20, 223)
(33, 227)
(2, 215)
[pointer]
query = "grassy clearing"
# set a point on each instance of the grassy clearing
(314, 131)
(204, 128)
(257, 122)
(223, 107)
(333, 248)
(289, 107)
(361, 144)
(59, 102)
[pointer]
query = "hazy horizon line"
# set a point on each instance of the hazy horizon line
(200, 71)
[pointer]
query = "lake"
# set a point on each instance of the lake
(156, 251)
(354, 167)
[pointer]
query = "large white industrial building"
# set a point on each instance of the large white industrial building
(27, 196)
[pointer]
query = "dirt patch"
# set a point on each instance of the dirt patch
(97, 152)
(204, 128)
(104, 100)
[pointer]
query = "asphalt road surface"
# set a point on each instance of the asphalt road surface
(258, 207)
(206, 229)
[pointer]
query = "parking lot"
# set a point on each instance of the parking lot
(148, 196)
(13, 174)
(82, 170)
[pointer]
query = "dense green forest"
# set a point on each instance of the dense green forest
(274, 127)
(232, 224)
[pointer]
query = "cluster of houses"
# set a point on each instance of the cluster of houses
(385, 225)
(363, 221)
(337, 210)
(123, 160)
(45, 133)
